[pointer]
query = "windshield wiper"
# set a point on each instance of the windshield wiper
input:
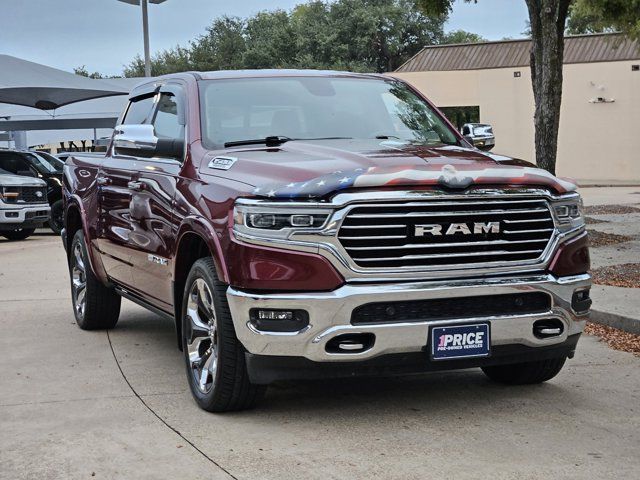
(276, 140)
(271, 141)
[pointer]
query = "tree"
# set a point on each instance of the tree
(595, 16)
(82, 71)
(166, 61)
(356, 35)
(462, 36)
(547, 20)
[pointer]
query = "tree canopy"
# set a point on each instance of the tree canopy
(594, 16)
(356, 35)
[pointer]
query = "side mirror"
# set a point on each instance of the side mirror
(141, 141)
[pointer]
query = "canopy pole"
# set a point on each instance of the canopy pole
(95, 139)
(145, 30)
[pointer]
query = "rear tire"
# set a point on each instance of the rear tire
(18, 234)
(95, 306)
(56, 222)
(214, 357)
(525, 373)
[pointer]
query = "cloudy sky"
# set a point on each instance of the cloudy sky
(104, 35)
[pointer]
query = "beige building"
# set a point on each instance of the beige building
(599, 138)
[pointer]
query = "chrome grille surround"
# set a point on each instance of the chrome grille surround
(325, 241)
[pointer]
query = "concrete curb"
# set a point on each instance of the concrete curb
(627, 324)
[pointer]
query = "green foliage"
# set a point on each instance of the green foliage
(595, 16)
(85, 73)
(356, 35)
(462, 36)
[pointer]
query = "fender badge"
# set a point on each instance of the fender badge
(157, 259)
(222, 163)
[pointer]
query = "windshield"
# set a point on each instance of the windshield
(55, 162)
(40, 164)
(316, 108)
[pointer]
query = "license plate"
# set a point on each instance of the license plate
(460, 341)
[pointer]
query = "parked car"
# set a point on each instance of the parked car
(23, 205)
(302, 224)
(40, 165)
(480, 135)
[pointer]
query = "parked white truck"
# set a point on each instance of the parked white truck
(23, 205)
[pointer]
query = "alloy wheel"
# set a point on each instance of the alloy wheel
(79, 280)
(201, 336)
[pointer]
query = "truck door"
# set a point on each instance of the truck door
(152, 189)
(114, 198)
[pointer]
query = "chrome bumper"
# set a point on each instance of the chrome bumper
(330, 314)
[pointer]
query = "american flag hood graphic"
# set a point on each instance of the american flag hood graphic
(449, 176)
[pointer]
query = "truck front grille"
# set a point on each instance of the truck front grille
(447, 233)
(26, 195)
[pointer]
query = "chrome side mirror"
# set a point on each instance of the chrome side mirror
(141, 141)
(135, 139)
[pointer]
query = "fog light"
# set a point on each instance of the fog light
(272, 320)
(275, 314)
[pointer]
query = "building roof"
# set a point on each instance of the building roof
(604, 47)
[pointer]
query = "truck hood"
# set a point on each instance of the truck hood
(20, 181)
(297, 169)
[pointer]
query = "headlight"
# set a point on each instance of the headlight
(568, 213)
(277, 221)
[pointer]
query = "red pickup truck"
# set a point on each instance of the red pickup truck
(303, 224)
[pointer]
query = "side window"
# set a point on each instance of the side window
(166, 122)
(139, 111)
(15, 164)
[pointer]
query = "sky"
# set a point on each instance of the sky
(105, 35)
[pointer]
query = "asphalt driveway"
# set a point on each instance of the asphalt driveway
(77, 404)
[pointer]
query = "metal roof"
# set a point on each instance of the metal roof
(604, 47)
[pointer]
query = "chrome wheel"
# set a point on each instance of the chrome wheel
(78, 280)
(201, 336)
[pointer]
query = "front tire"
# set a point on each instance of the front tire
(526, 373)
(18, 234)
(95, 306)
(214, 357)
(56, 222)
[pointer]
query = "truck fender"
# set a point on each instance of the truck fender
(199, 226)
(96, 265)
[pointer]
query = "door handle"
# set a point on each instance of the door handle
(135, 186)
(103, 181)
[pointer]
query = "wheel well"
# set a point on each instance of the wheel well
(192, 247)
(72, 223)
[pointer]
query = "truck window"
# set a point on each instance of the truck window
(166, 121)
(14, 163)
(139, 111)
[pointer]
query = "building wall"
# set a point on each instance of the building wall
(597, 143)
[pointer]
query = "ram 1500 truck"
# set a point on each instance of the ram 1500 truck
(23, 205)
(303, 224)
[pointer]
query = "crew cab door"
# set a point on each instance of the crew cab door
(114, 199)
(153, 187)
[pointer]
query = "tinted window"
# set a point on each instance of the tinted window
(57, 164)
(318, 107)
(14, 163)
(166, 122)
(139, 111)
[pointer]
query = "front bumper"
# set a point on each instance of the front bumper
(330, 315)
(24, 217)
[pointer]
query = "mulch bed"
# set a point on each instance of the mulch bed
(616, 339)
(626, 275)
(600, 239)
(592, 220)
(610, 209)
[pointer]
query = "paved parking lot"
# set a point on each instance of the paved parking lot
(77, 404)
